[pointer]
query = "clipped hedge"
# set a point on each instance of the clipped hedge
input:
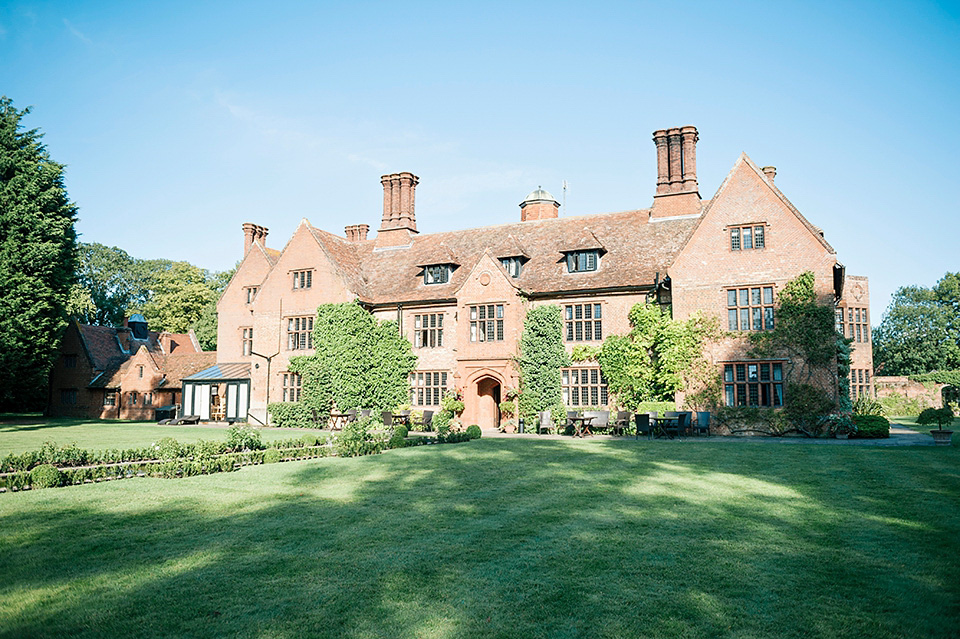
(871, 427)
(291, 415)
(46, 476)
(659, 407)
(474, 432)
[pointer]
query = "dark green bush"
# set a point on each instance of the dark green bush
(474, 432)
(400, 428)
(46, 476)
(271, 456)
(871, 427)
(309, 439)
(398, 439)
(939, 416)
(243, 437)
(168, 448)
(806, 408)
(291, 415)
(356, 439)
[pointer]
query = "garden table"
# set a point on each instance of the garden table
(664, 424)
(581, 426)
(338, 420)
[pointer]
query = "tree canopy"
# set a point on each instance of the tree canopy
(173, 296)
(358, 362)
(920, 331)
(37, 260)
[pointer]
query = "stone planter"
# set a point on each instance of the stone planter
(942, 437)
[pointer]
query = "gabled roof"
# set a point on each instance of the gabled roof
(102, 346)
(509, 247)
(744, 160)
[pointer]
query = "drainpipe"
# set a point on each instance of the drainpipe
(269, 359)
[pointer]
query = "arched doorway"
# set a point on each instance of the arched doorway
(488, 403)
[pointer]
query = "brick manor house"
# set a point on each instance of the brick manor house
(460, 297)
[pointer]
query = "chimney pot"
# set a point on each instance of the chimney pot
(770, 172)
(399, 191)
(249, 231)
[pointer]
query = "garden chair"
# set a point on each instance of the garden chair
(545, 423)
(387, 418)
(703, 423)
(351, 415)
(601, 420)
(569, 423)
(678, 427)
(365, 412)
(644, 427)
(317, 422)
(622, 422)
(426, 422)
(689, 420)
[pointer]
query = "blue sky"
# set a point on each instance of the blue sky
(179, 121)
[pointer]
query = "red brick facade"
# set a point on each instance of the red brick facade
(748, 238)
(108, 373)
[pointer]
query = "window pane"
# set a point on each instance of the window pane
(768, 318)
(747, 240)
(732, 297)
(778, 372)
(597, 332)
(728, 373)
(757, 320)
(588, 312)
(729, 394)
(744, 297)
(768, 295)
(578, 311)
(569, 331)
(732, 319)
(744, 319)
(751, 372)
(764, 372)
(588, 331)
(755, 296)
(596, 312)
(758, 237)
(569, 312)
(778, 394)
(579, 330)
(741, 373)
(735, 239)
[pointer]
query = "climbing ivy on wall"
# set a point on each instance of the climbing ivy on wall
(359, 362)
(805, 331)
(541, 359)
(659, 357)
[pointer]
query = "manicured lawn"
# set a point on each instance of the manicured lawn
(23, 434)
(502, 538)
(911, 422)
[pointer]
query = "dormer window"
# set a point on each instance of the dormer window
(513, 265)
(436, 274)
(582, 261)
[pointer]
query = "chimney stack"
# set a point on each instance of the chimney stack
(770, 172)
(253, 233)
(357, 232)
(399, 190)
(676, 172)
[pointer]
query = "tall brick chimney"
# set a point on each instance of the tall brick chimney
(539, 205)
(252, 233)
(357, 232)
(677, 188)
(399, 200)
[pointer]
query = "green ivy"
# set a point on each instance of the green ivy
(359, 362)
(938, 377)
(658, 358)
(541, 359)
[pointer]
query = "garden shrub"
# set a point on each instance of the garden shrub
(168, 448)
(870, 427)
(46, 476)
(207, 449)
(291, 415)
(398, 439)
(242, 438)
(400, 428)
(939, 416)
(451, 403)
(542, 356)
(271, 456)
(441, 420)
(356, 439)
(752, 419)
(659, 407)
(309, 439)
(805, 407)
(867, 406)
(899, 404)
(474, 432)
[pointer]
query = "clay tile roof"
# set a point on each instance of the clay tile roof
(181, 365)
(509, 247)
(585, 240)
(636, 250)
(344, 254)
(440, 255)
(102, 345)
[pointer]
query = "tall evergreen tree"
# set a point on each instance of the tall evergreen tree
(37, 261)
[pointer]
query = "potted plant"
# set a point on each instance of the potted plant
(938, 416)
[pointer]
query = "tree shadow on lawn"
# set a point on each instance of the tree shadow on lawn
(492, 538)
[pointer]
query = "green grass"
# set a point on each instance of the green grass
(502, 538)
(29, 433)
(911, 422)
